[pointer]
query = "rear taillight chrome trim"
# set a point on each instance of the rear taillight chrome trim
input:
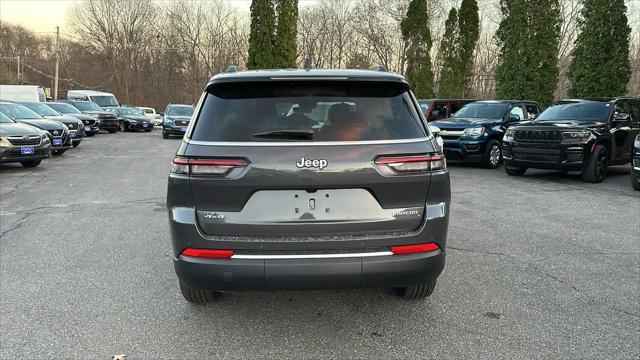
(206, 166)
(412, 163)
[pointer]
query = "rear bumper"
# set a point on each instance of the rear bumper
(280, 274)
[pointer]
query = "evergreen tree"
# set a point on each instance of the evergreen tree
(600, 66)
(449, 83)
(417, 38)
(529, 38)
(468, 32)
(261, 37)
(286, 46)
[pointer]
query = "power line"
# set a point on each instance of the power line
(73, 81)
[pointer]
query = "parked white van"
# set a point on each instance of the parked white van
(22, 93)
(103, 99)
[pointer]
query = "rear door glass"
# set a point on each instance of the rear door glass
(327, 111)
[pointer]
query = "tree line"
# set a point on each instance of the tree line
(153, 53)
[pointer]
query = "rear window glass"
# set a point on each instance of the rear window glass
(302, 111)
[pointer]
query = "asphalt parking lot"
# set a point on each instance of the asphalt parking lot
(543, 266)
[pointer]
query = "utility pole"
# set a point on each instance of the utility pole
(55, 81)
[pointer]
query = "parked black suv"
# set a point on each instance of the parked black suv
(474, 133)
(635, 171)
(106, 120)
(91, 124)
(306, 179)
(575, 135)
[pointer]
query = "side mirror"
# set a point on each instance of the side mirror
(161, 114)
(434, 130)
(513, 118)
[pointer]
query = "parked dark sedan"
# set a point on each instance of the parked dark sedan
(22, 143)
(58, 132)
(76, 127)
(131, 119)
(108, 121)
(91, 124)
(474, 133)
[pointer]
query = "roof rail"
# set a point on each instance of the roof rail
(232, 69)
(379, 67)
(307, 64)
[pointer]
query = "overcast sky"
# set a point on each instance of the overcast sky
(44, 15)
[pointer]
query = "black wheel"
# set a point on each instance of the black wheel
(165, 135)
(111, 131)
(493, 155)
(91, 134)
(515, 170)
(123, 128)
(59, 152)
(75, 143)
(418, 291)
(198, 296)
(149, 130)
(31, 163)
(596, 168)
(635, 180)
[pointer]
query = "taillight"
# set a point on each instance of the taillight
(208, 253)
(414, 249)
(206, 166)
(413, 163)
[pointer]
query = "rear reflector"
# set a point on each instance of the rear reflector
(413, 163)
(208, 253)
(206, 166)
(414, 249)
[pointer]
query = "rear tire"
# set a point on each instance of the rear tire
(596, 169)
(515, 170)
(493, 156)
(417, 291)
(111, 131)
(75, 143)
(165, 135)
(197, 296)
(91, 134)
(122, 126)
(31, 163)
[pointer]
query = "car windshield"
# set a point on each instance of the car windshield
(180, 110)
(87, 106)
(589, 110)
(105, 100)
(41, 109)
(309, 111)
(482, 110)
(64, 108)
(4, 119)
(128, 111)
(18, 111)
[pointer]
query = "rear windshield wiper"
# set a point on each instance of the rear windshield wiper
(286, 134)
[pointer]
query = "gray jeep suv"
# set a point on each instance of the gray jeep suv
(308, 179)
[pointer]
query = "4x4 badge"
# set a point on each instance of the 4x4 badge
(309, 163)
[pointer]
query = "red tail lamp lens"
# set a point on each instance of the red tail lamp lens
(413, 163)
(414, 249)
(208, 253)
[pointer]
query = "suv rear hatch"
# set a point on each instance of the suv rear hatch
(309, 158)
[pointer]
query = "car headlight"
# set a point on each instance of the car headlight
(167, 121)
(477, 131)
(4, 142)
(509, 134)
(578, 135)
